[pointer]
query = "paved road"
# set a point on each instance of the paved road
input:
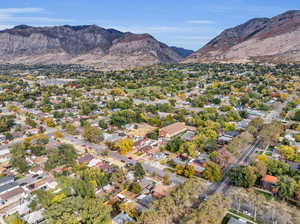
(244, 159)
(123, 159)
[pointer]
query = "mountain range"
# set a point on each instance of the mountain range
(262, 40)
(103, 48)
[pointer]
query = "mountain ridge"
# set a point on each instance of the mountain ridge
(107, 49)
(273, 40)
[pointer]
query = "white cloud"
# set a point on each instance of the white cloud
(19, 10)
(200, 22)
(32, 19)
(26, 15)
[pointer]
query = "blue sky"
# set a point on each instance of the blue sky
(183, 23)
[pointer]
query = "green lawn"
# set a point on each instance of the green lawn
(266, 195)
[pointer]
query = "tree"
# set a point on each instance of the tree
(124, 145)
(64, 154)
(277, 168)
(94, 175)
(270, 133)
(30, 122)
(92, 134)
(128, 208)
(102, 124)
(187, 170)
(211, 211)
(123, 117)
(6, 123)
(17, 159)
(49, 122)
(85, 107)
(257, 123)
(212, 172)
(289, 153)
(139, 171)
(71, 129)
(261, 168)
(171, 208)
(286, 187)
(166, 179)
(117, 92)
(243, 176)
(135, 188)
(239, 142)
(179, 169)
(297, 191)
(58, 135)
(175, 144)
(118, 178)
(78, 210)
(189, 148)
(297, 115)
(14, 219)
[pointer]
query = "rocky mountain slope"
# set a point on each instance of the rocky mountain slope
(272, 40)
(92, 45)
(182, 51)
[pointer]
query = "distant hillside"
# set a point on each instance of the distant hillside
(274, 40)
(90, 44)
(181, 51)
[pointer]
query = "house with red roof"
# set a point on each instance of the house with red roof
(269, 183)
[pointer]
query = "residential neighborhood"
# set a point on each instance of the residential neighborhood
(125, 147)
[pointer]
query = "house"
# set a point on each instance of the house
(145, 200)
(161, 190)
(147, 185)
(146, 149)
(34, 217)
(11, 197)
(129, 126)
(6, 180)
(224, 158)
(85, 159)
(224, 140)
(105, 167)
(122, 218)
(181, 159)
(188, 136)
(231, 134)
(242, 124)
(36, 171)
(269, 183)
(44, 183)
(198, 166)
(172, 130)
(111, 137)
(8, 187)
(159, 156)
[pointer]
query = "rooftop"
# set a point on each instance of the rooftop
(270, 179)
